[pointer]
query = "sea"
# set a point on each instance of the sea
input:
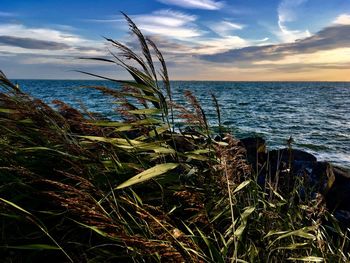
(315, 114)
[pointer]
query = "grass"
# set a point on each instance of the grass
(75, 188)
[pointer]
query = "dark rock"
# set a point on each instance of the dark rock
(286, 165)
(295, 155)
(322, 176)
(181, 144)
(338, 196)
(256, 155)
(256, 150)
(341, 174)
(343, 217)
(218, 138)
(254, 144)
(191, 131)
(289, 164)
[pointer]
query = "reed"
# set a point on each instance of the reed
(81, 189)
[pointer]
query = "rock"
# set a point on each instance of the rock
(341, 174)
(219, 138)
(322, 176)
(343, 217)
(318, 177)
(182, 144)
(256, 155)
(191, 131)
(289, 163)
(338, 196)
(254, 144)
(295, 154)
(291, 160)
(256, 148)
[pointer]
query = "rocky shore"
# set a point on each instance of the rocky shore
(284, 166)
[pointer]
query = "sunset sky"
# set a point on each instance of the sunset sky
(201, 39)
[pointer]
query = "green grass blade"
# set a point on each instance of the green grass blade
(308, 259)
(33, 247)
(244, 220)
(241, 186)
(145, 111)
(148, 174)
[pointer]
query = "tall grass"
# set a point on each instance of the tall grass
(79, 189)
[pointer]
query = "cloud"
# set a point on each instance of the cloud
(19, 39)
(322, 57)
(175, 32)
(31, 43)
(287, 13)
(225, 28)
(169, 23)
(169, 46)
(181, 28)
(343, 19)
(216, 45)
(286, 10)
(53, 67)
(37, 52)
(195, 47)
(167, 17)
(195, 4)
(179, 33)
(333, 37)
(163, 17)
(263, 39)
(45, 34)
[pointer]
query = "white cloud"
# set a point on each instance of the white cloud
(172, 32)
(46, 34)
(343, 19)
(225, 28)
(217, 45)
(166, 17)
(195, 4)
(287, 35)
(287, 13)
(263, 39)
(169, 23)
(231, 25)
(198, 46)
(178, 33)
(286, 10)
(190, 38)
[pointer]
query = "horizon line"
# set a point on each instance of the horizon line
(15, 79)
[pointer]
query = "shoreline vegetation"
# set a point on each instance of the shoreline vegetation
(78, 188)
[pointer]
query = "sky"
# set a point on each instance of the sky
(233, 40)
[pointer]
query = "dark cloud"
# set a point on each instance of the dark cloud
(55, 67)
(337, 36)
(31, 43)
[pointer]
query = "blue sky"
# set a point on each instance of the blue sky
(200, 39)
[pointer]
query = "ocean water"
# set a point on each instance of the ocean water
(315, 114)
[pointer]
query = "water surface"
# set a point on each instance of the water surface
(315, 114)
